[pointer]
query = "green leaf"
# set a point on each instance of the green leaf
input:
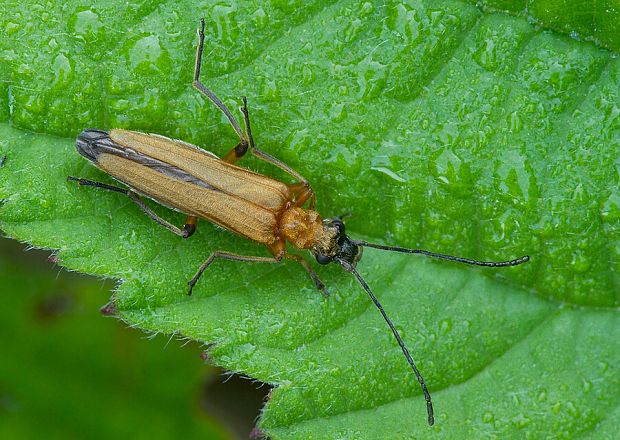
(598, 22)
(437, 125)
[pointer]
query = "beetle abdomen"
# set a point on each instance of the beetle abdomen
(196, 182)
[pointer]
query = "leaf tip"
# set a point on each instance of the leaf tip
(109, 309)
(257, 434)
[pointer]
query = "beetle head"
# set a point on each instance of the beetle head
(337, 245)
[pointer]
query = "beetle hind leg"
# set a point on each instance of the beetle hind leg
(190, 223)
(227, 256)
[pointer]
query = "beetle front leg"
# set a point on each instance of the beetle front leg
(261, 154)
(205, 91)
(302, 193)
(317, 281)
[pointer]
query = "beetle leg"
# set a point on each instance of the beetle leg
(86, 182)
(302, 193)
(246, 141)
(190, 224)
(208, 93)
(302, 189)
(261, 154)
(236, 153)
(317, 281)
(227, 256)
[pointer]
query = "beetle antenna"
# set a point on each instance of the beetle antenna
(429, 404)
(514, 262)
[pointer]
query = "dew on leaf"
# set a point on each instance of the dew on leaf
(515, 123)
(260, 18)
(371, 78)
(11, 28)
(337, 112)
(52, 44)
(486, 54)
(580, 261)
(587, 385)
(610, 211)
(62, 70)
(573, 409)
(86, 25)
(488, 417)
(446, 167)
(445, 326)
(223, 17)
(520, 421)
(146, 56)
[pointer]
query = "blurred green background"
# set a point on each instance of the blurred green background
(68, 372)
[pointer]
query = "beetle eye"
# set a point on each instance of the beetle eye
(322, 259)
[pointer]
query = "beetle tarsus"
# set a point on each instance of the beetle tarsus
(86, 182)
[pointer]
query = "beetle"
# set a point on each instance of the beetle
(260, 208)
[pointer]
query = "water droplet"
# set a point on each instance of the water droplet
(11, 28)
(222, 17)
(515, 123)
(337, 112)
(371, 78)
(62, 70)
(488, 417)
(352, 30)
(515, 176)
(486, 54)
(383, 164)
(260, 18)
(520, 421)
(445, 326)
(573, 410)
(610, 212)
(446, 166)
(270, 90)
(580, 261)
(145, 55)
(587, 386)
(86, 25)
(366, 9)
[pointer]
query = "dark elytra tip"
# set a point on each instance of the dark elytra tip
(109, 309)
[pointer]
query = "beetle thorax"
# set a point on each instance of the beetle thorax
(302, 228)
